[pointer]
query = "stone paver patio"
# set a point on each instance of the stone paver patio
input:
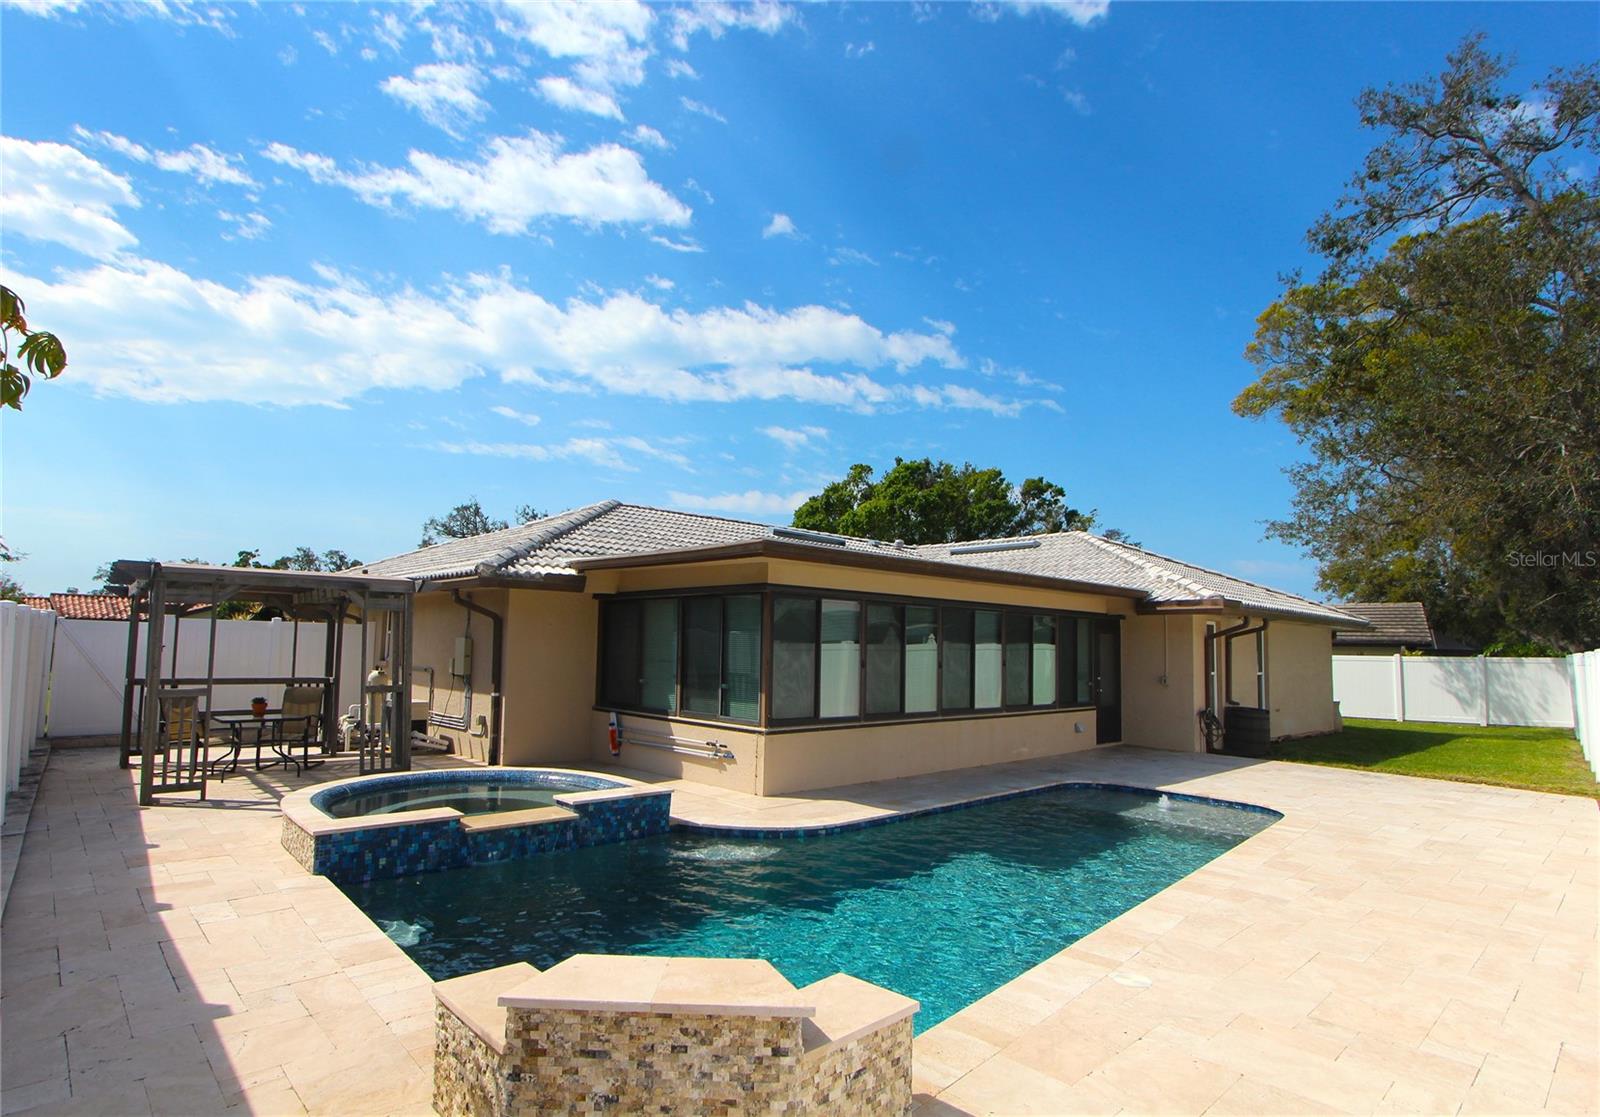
(1391, 945)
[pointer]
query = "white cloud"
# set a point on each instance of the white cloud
(686, 244)
(646, 136)
(660, 282)
(184, 13)
(288, 56)
(844, 254)
(518, 181)
(564, 93)
(678, 68)
(151, 331)
(948, 329)
(1083, 13)
(792, 439)
(197, 160)
(859, 50)
(751, 502)
(781, 225)
(325, 41)
(715, 18)
(527, 419)
(58, 194)
(1079, 102)
(576, 28)
(246, 226)
(702, 109)
(622, 453)
(445, 94)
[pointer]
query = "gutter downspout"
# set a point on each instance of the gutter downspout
(497, 638)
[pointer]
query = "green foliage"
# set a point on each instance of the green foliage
(923, 501)
(1446, 380)
(461, 522)
(42, 354)
(527, 513)
(10, 588)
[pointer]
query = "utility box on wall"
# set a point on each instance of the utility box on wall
(461, 661)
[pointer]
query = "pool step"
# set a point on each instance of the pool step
(533, 816)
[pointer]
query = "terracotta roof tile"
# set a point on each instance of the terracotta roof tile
(81, 606)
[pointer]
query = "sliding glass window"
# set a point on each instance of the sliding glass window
(839, 690)
(704, 649)
(741, 657)
(987, 655)
(885, 658)
(1044, 660)
(956, 687)
(794, 658)
(922, 659)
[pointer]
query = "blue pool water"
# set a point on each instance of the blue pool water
(944, 907)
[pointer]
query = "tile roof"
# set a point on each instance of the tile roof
(81, 606)
(557, 546)
(1392, 622)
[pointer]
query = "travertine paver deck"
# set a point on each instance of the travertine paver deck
(1391, 945)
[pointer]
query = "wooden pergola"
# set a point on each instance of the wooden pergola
(159, 591)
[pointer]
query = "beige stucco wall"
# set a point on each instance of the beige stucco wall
(549, 676)
(803, 760)
(1162, 691)
(436, 622)
(742, 773)
(1300, 679)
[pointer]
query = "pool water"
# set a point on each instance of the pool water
(944, 907)
(480, 796)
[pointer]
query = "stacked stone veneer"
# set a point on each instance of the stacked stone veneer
(595, 1059)
(354, 856)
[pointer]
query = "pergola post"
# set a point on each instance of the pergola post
(150, 723)
(135, 601)
(402, 697)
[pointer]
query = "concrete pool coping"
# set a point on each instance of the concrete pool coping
(297, 806)
(1390, 944)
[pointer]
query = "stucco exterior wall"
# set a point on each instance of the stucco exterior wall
(549, 677)
(803, 760)
(1300, 679)
(1162, 688)
(436, 622)
(742, 773)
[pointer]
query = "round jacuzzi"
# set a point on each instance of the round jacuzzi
(469, 791)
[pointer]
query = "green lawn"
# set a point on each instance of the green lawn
(1536, 759)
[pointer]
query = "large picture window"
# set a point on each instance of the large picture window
(837, 658)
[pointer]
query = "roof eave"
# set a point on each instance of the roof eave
(1218, 604)
(772, 548)
(500, 580)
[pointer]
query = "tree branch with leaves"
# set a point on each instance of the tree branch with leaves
(41, 354)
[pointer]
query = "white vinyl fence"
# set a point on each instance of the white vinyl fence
(91, 663)
(1480, 690)
(25, 641)
(1586, 704)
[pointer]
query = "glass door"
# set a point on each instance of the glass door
(1108, 681)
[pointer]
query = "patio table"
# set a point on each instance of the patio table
(245, 730)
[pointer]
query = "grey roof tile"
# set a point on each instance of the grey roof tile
(610, 528)
(1392, 622)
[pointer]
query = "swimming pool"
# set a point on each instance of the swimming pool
(942, 907)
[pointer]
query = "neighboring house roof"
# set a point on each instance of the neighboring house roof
(1404, 623)
(81, 606)
(557, 549)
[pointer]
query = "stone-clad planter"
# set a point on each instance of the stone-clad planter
(668, 1035)
(377, 847)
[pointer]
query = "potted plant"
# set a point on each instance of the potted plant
(258, 707)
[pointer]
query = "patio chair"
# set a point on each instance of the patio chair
(182, 763)
(302, 721)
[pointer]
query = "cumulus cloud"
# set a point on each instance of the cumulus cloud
(516, 182)
(792, 439)
(246, 226)
(58, 194)
(780, 226)
(445, 94)
(716, 18)
(751, 502)
(660, 282)
(646, 136)
(564, 93)
(197, 160)
(149, 330)
(1083, 13)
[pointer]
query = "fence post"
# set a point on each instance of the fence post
(1399, 688)
(1483, 677)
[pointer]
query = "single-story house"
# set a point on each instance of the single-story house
(773, 659)
(1394, 628)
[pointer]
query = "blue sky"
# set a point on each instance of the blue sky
(326, 270)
